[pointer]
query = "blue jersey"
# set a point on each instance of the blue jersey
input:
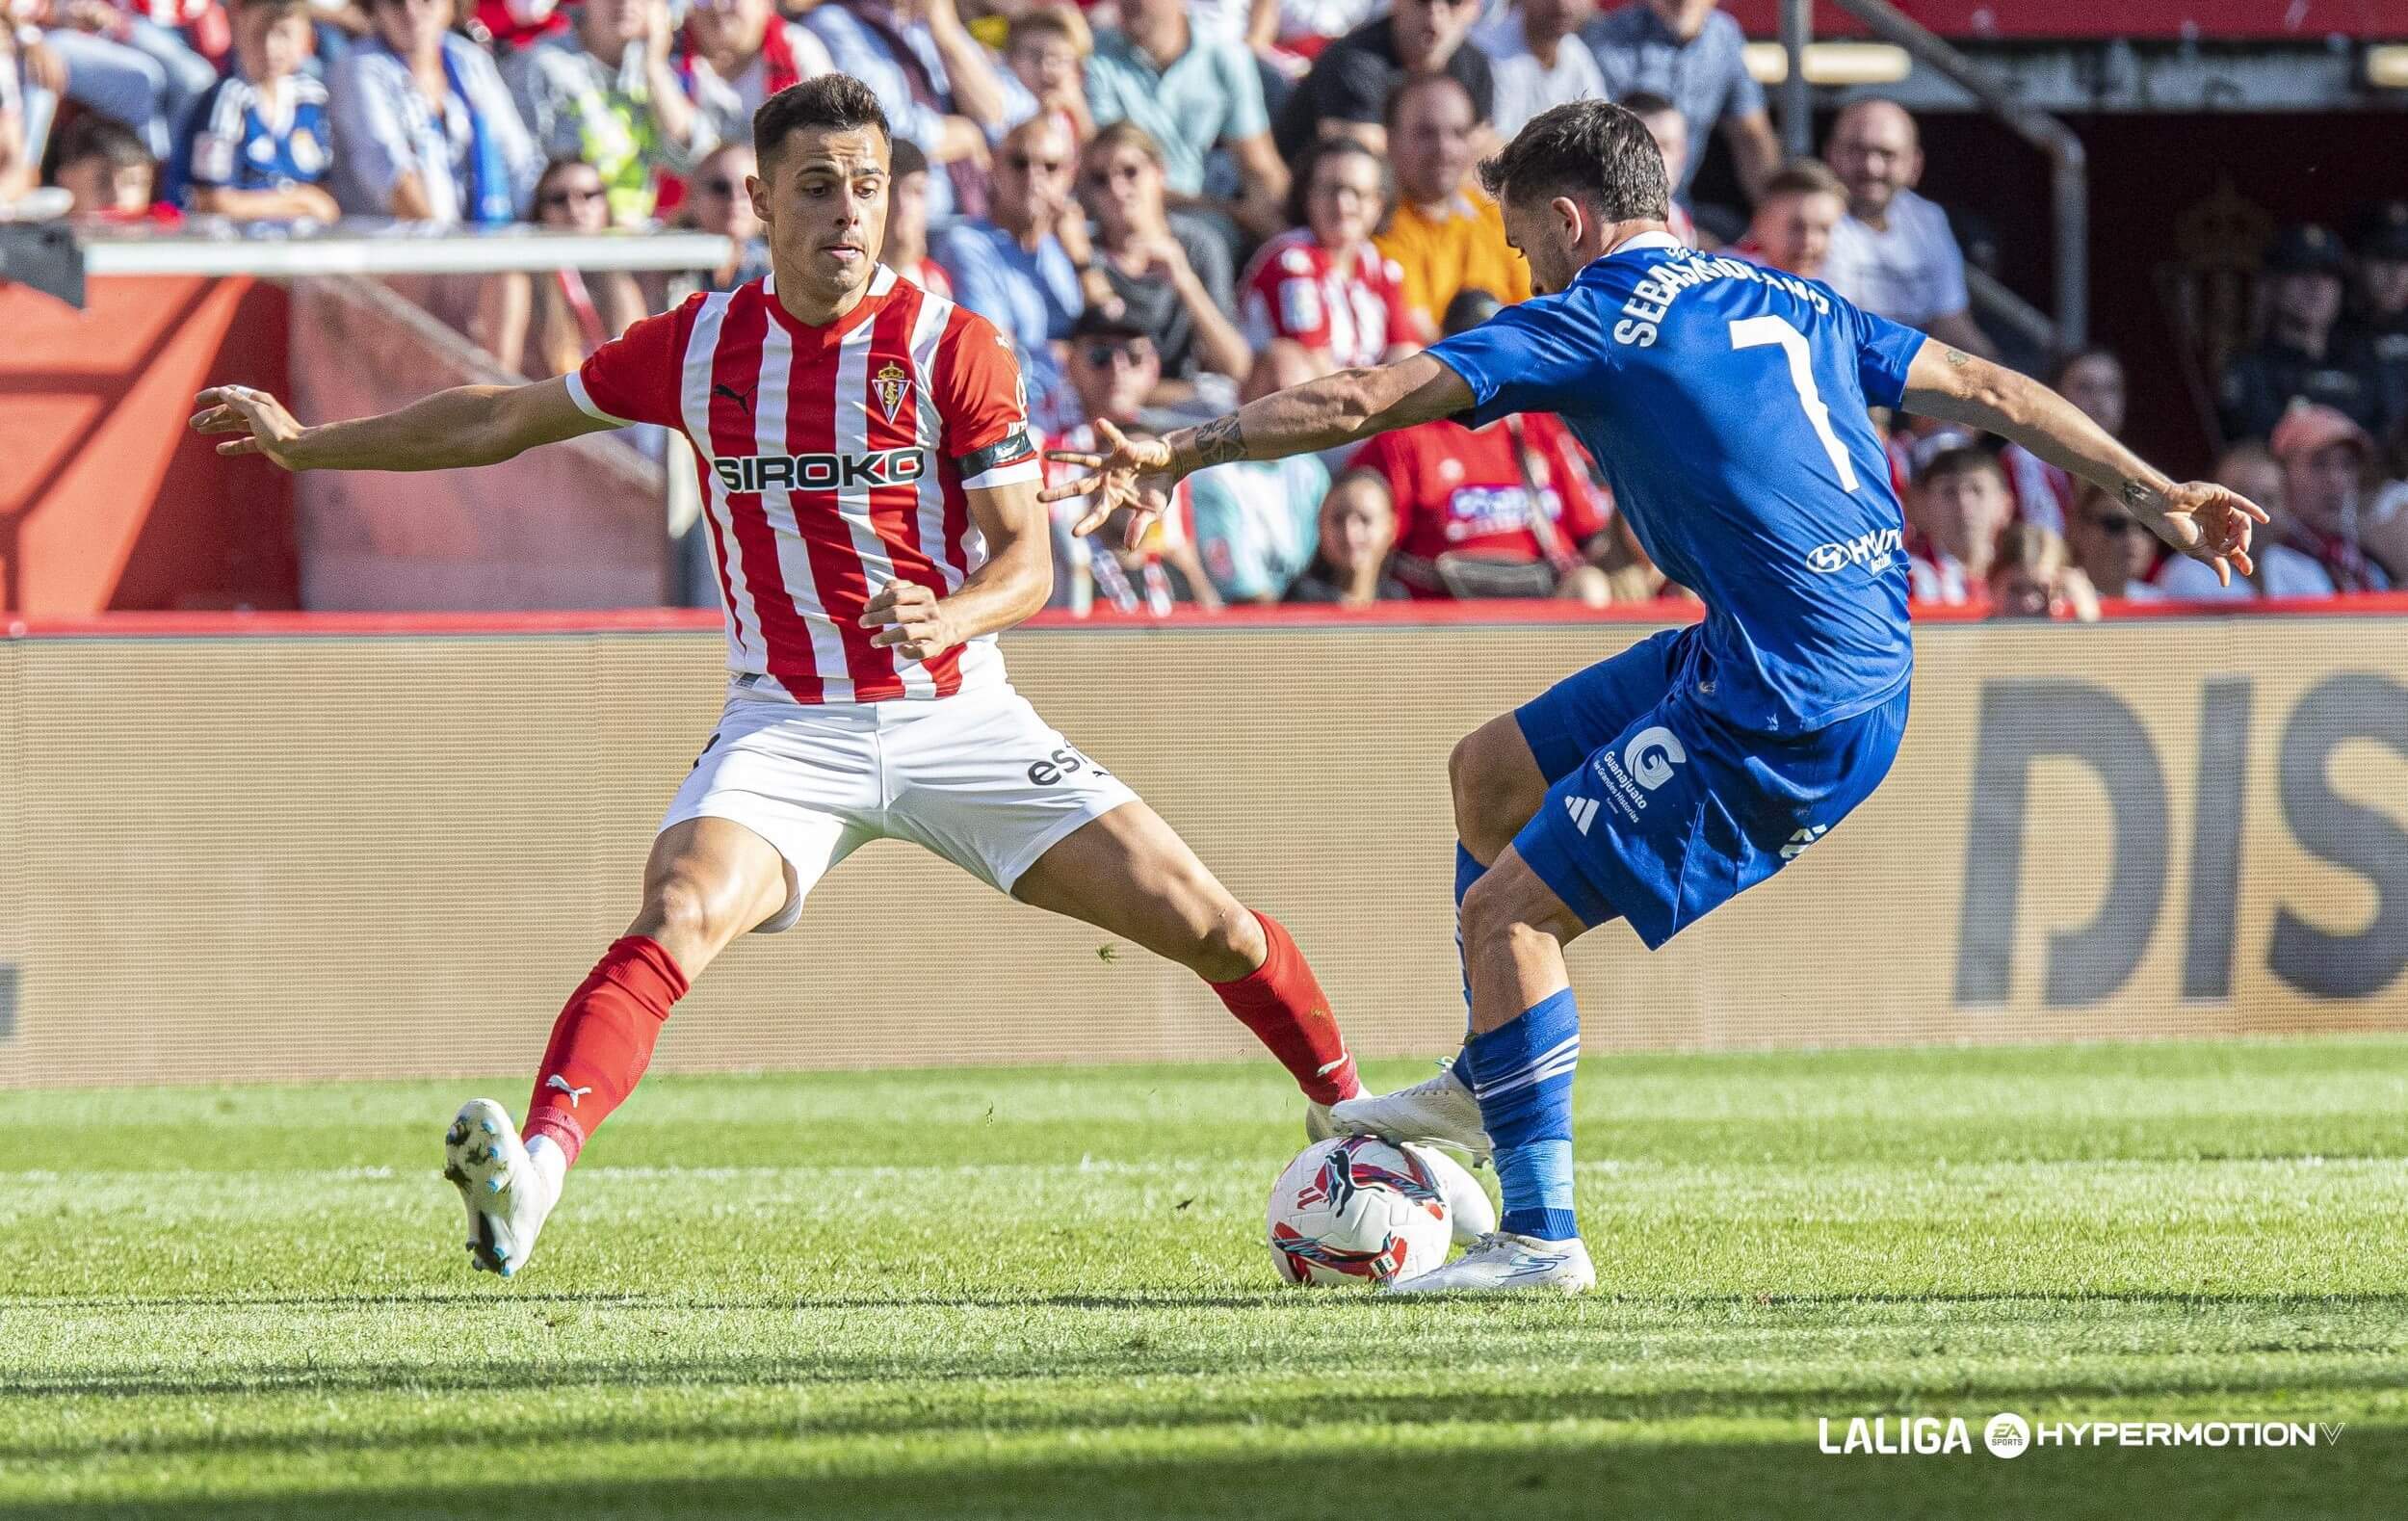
(239, 144)
(1726, 404)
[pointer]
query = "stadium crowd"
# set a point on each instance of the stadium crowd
(1172, 206)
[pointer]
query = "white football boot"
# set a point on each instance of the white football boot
(507, 1191)
(1500, 1263)
(1470, 1213)
(1441, 1109)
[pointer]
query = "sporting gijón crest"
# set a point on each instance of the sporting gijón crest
(892, 384)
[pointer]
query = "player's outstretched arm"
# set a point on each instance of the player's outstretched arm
(1340, 408)
(468, 424)
(2202, 519)
(1014, 581)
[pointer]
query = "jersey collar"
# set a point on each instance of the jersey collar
(1646, 240)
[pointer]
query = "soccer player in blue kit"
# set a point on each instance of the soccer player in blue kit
(1726, 403)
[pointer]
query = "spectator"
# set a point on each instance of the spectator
(2117, 552)
(1191, 95)
(1959, 506)
(718, 200)
(1445, 235)
(1350, 565)
(2279, 570)
(1168, 275)
(942, 91)
(1666, 124)
(1508, 509)
(1539, 60)
(1347, 91)
(1295, 32)
(1254, 523)
(2380, 327)
(604, 91)
(424, 127)
(19, 101)
(121, 62)
(1325, 297)
(1047, 48)
(2327, 464)
(259, 149)
(739, 53)
(1111, 369)
(2093, 380)
(1013, 270)
(103, 164)
(1693, 55)
(1892, 254)
(2033, 576)
(906, 245)
(2296, 357)
(1792, 228)
(559, 317)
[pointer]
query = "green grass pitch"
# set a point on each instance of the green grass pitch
(1043, 1294)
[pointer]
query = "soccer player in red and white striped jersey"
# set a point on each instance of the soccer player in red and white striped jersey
(871, 494)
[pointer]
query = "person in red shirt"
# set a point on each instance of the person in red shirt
(863, 455)
(1321, 297)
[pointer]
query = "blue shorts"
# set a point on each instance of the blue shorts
(1658, 810)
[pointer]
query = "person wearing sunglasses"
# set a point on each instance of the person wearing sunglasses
(718, 199)
(1014, 269)
(2114, 549)
(1168, 273)
(545, 324)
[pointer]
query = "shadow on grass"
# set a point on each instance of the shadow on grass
(855, 1398)
(1529, 1479)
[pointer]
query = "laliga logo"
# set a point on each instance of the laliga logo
(1651, 755)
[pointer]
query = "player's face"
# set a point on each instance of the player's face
(1554, 238)
(823, 208)
(1344, 201)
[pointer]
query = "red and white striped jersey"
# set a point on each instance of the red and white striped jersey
(833, 460)
(1293, 290)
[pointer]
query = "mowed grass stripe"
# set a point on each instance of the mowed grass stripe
(1043, 1294)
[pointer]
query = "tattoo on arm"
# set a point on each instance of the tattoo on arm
(2136, 494)
(1219, 442)
(1958, 359)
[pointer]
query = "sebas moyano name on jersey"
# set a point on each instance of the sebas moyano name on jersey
(1651, 299)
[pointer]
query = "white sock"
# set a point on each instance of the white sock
(550, 1161)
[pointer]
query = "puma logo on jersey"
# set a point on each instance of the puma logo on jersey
(821, 472)
(743, 399)
(574, 1093)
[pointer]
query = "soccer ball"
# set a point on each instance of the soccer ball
(1357, 1208)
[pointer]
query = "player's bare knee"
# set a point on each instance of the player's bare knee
(1489, 808)
(682, 913)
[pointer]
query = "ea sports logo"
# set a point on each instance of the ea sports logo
(1651, 755)
(1824, 559)
(2007, 1435)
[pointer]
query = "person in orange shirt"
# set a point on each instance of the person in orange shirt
(1445, 235)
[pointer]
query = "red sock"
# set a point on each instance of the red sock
(603, 1041)
(1283, 1004)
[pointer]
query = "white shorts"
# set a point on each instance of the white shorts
(978, 778)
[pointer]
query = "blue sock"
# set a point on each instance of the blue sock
(1467, 871)
(1523, 1074)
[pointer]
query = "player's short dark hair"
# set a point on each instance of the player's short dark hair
(829, 102)
(1590, 150)
(1963, 459)
(1301, 183)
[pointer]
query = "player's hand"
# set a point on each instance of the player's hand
(267, 427)
(2211, 525)
(1135, 473)
(911, 620)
